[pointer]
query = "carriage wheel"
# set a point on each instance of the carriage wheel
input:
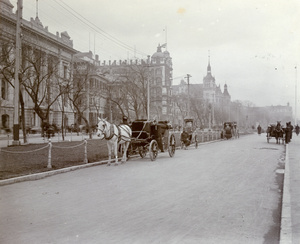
(196, 142)
(142, 151)
(153, 150)
(172, 145)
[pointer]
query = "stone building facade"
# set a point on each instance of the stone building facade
(36, 38)
(90, 90)
(157, 70)
(211, 92)
(212, 102)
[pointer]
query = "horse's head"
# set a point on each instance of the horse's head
(102, 128)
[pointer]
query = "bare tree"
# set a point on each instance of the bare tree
(41, 80)
(127, 91)
(7, 63)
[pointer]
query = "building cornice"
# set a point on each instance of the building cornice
(29, 27)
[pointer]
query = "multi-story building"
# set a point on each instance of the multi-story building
(89, 94)
(206, 98)
(211, 92)
(184, 98)
(46, 68)
(269, 115)
(137, 78)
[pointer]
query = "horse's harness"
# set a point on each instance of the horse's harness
(112, 133)
(278, 128)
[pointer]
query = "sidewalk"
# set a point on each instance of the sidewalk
(290, 216)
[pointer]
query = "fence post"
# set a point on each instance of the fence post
(49, 166)
(85, 151)
(7, 139)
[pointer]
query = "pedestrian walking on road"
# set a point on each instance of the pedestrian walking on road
(259, 129)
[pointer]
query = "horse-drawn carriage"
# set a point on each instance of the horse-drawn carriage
(152, 137)
(189, 135)
(275, 131)
(230, 130)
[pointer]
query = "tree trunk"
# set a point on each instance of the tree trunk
(23, 117)
(62, 123)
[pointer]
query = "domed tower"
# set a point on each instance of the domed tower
(161, 94)
(158, 57)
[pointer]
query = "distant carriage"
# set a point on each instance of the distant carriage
(190, 129)
(151, 137)
(297, 129)
(230, 130)
(276, 131)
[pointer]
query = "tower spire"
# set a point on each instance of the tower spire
(37, 9)
(208, 66)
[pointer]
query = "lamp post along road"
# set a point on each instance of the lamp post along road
(148, 90)
(17, 73)
(188, 105)
(296, 95)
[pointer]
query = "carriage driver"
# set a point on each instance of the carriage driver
(185, 138)
(125, 120)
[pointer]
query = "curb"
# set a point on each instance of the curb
(286, 220)
(42, 175)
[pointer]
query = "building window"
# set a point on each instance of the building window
(65, 71)
(3, 89)
(164, 110)
(158, 81)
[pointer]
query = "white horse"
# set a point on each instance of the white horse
(114, 135)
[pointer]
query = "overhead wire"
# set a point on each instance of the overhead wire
(97, 29)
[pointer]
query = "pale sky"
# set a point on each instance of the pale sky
(254, 45)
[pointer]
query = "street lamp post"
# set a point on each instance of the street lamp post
(295, 95)
(188, 82)
(148, 91)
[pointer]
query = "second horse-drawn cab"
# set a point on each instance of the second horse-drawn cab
(230, 130)
(152, 137)
(189, 135)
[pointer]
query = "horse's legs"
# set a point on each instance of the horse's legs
(116, 152)
(109, 154)
(125, 148)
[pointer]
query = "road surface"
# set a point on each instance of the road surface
(222, 192)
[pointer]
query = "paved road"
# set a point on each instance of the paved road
(223, 192)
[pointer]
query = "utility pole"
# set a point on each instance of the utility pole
(188, 81)
(148, 90)
(16, 127)
(295, 95)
